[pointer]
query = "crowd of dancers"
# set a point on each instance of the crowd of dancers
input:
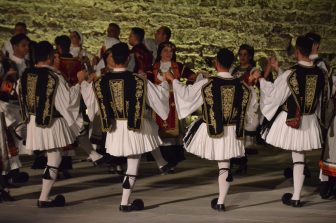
(123, 103)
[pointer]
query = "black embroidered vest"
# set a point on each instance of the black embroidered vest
(307, 84)
(121, 96)
(37, 92)
(225, 103)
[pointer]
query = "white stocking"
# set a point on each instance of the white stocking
(298, 174)
(224, 167)
(160, 161)
(50, 173)
(130, 178)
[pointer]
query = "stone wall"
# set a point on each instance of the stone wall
(199, 26)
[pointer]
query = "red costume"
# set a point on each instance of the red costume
(143, 60)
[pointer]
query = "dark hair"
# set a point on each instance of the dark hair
(250, 52)
(225, 57)
(316, 38)
(43, 51)
(15, 40)
(77, 34)
(139, 33)
(7, 64)
(166, 31)
(120, 53)
(21, 24)
(162, 46)
(304, 45)
(64, 42)
(115, 25)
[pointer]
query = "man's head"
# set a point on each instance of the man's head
(316, 38)
(117, 55)
(20, 27)
(303, 47)
(44, 53)
(163, 34)
(136, 36)
(224, 59)
(20, 43)
(63, 44)
(113, 30)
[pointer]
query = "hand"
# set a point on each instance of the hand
(274, 64)
(82, 75)
(92, 77)
(168, 76)
(256, 74)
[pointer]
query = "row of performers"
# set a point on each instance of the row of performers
(226, 107)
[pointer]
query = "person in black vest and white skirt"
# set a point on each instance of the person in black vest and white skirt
(121, 98)
(295, 101)
(218, 135)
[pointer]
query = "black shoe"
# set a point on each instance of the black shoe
(167, 169)
(217, 207)
(137, 205)
(59, 201)
(66, 174)
(102, 161)
(325, 191)
(287, 200)
(5, 196)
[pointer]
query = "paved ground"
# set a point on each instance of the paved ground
(93, 195)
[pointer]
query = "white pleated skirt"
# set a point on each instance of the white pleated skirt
(307, 137)
(224, 148)
(125, 142)
(57, 136)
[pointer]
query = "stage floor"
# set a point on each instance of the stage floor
(93, 194)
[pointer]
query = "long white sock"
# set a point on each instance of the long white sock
(160, 161)
(131, 173)
(54, 160)
(223, 184)
(298, 174)
(86, 145)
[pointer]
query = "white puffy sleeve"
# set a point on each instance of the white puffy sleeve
(89, 99)
(158, 98)
(75, 97)
(188, 98)
(272, 95)
(63, 102)
(252, 114)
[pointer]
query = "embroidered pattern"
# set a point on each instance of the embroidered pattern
(103, 113)
(227, 93)
(117, 92)
(50, 90)
(31, 91)
(139, 92)
(311, 82)
(208, 97)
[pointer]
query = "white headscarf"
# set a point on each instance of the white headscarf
(80, 36)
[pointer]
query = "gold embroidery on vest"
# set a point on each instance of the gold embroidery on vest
(227, 96)
(31, 92)
(311, 82)
(102, 109)
(50, 89)
(139, 91)
(209, 100)
(117, 92)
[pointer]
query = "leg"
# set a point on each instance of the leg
(298, 179)
(298, 174)
(87, 146)
(163, 165)
(224, 179)
(160, 161)
(128, 185)
(49, 177)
